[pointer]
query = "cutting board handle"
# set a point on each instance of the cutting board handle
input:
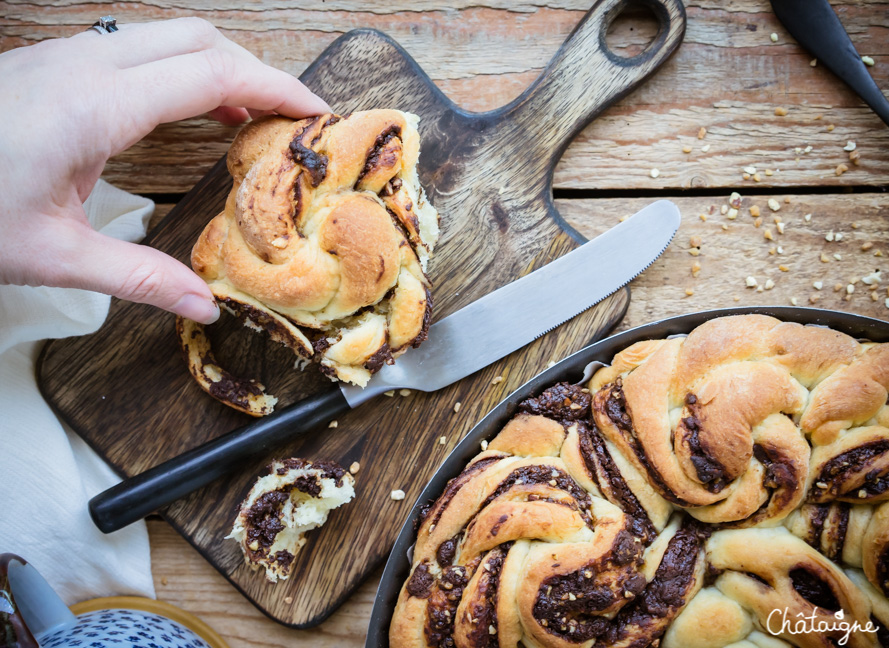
(585, 76)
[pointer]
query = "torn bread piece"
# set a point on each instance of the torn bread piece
(292, 498)
(243, 394)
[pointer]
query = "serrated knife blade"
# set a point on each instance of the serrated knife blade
(518, 313)
(500, 322)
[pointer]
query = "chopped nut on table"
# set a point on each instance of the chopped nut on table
(397, 495)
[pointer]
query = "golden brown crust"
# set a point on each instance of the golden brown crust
(768, 438)
(327, 227)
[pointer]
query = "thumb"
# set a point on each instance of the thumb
(140, 274)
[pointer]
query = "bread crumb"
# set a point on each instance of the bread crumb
(829, 236)
(705, 148)
(824, 258)
(872, 279)
(732, 214)
(794, 301)
(886, 302)
(695, 241)
(484, 444)
(838, 257)
(332, 424)
(723, 210)
(878, 253)
(837, 287)
(654, 173)
(735, 200)
(389, 393)
(808, 218)
(702, 132)
(751, 282)
(830, 127)
(868, 61)
(813, 63)
(780, 111)
(769, 284)
(818, 285)
(551, 363)
(355, 467)
(695, 268)
(773, 250)
(404, 392)
(736, 298)
(774, 205)
(774, 37)
(746, 176)
(866, 246)
(288, 600)
(750, 169)
(850, 146)
(787, 198)
(841, 169)
(813, 299)
(456, 407)
(780, 250)
(780, 227)
(497, 380)
(724, 227)
(873, 296)
(838, 237)
(769, 172)
(397, 495)
(442, 440)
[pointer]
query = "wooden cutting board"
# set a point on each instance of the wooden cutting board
(126, 390)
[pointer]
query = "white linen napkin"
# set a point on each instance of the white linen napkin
(47, 473)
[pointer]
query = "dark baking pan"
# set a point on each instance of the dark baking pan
(571, 369)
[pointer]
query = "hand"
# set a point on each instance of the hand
(70, 104)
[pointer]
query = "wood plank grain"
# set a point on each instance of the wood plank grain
(727, 258)
(489, 176)
(728, 77)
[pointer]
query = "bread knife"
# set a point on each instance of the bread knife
(458, 345)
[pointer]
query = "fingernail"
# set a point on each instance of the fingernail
(197, 308)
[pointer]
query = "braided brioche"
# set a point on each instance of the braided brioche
(325, 237)
(684, 495)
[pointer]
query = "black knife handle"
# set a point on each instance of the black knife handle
(134, 498)
(815, 26)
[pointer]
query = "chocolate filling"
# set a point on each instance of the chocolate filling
(427, 321)
(441, 611)
(664, 597)
(327, 469)
(383, 356)
(851, 462)
(419, 585)
(264, 520)
(315, 164)
(834, 536)
(883, 570)
(542, 475)
(709, 470)
(815, 514)
(813, 589)
(483, 608)
(610, 481)
(562, 402)
(231, 389)
(373, 156)
(611, 401)
(447, 550)
(567, 605)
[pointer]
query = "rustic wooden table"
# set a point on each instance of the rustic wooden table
(729, 78)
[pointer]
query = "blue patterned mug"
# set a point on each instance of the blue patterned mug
(33, 616)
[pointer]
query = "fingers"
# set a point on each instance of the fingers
(190, 84)
(92, 261)
(229, 116)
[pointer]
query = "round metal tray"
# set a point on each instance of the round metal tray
(571, 369)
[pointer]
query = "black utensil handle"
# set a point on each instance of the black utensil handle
(134, 498)
(815, 26)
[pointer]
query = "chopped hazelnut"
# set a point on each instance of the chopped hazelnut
(825, 258)
(686, 149)
(442, 440)
(813, 63)
(497, 380)
(830, 127)
(837, 287)
(769, 172)
(850, 146)
(689, 292)
(355, 467)
(841, 169)
(757, 223)
(702, 132)
(855, 158)
(695, 268)
(794, 301)
(705, 148)
(754, 210)
(807, 218)
(751, 282)
(868, 61)
(818, 285)
(774, 205)
(397, 495)
(767, 234)
(389, 393)
(780, 111)
(723, 210)
(769, 284)
(866, 246)
(774, 37)
(456, 407)
(813, 299)
(695, 241)
(735, 200)
(654, 173)
(332, 424)
(783, 268)
(780, 227)
(404, 392)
